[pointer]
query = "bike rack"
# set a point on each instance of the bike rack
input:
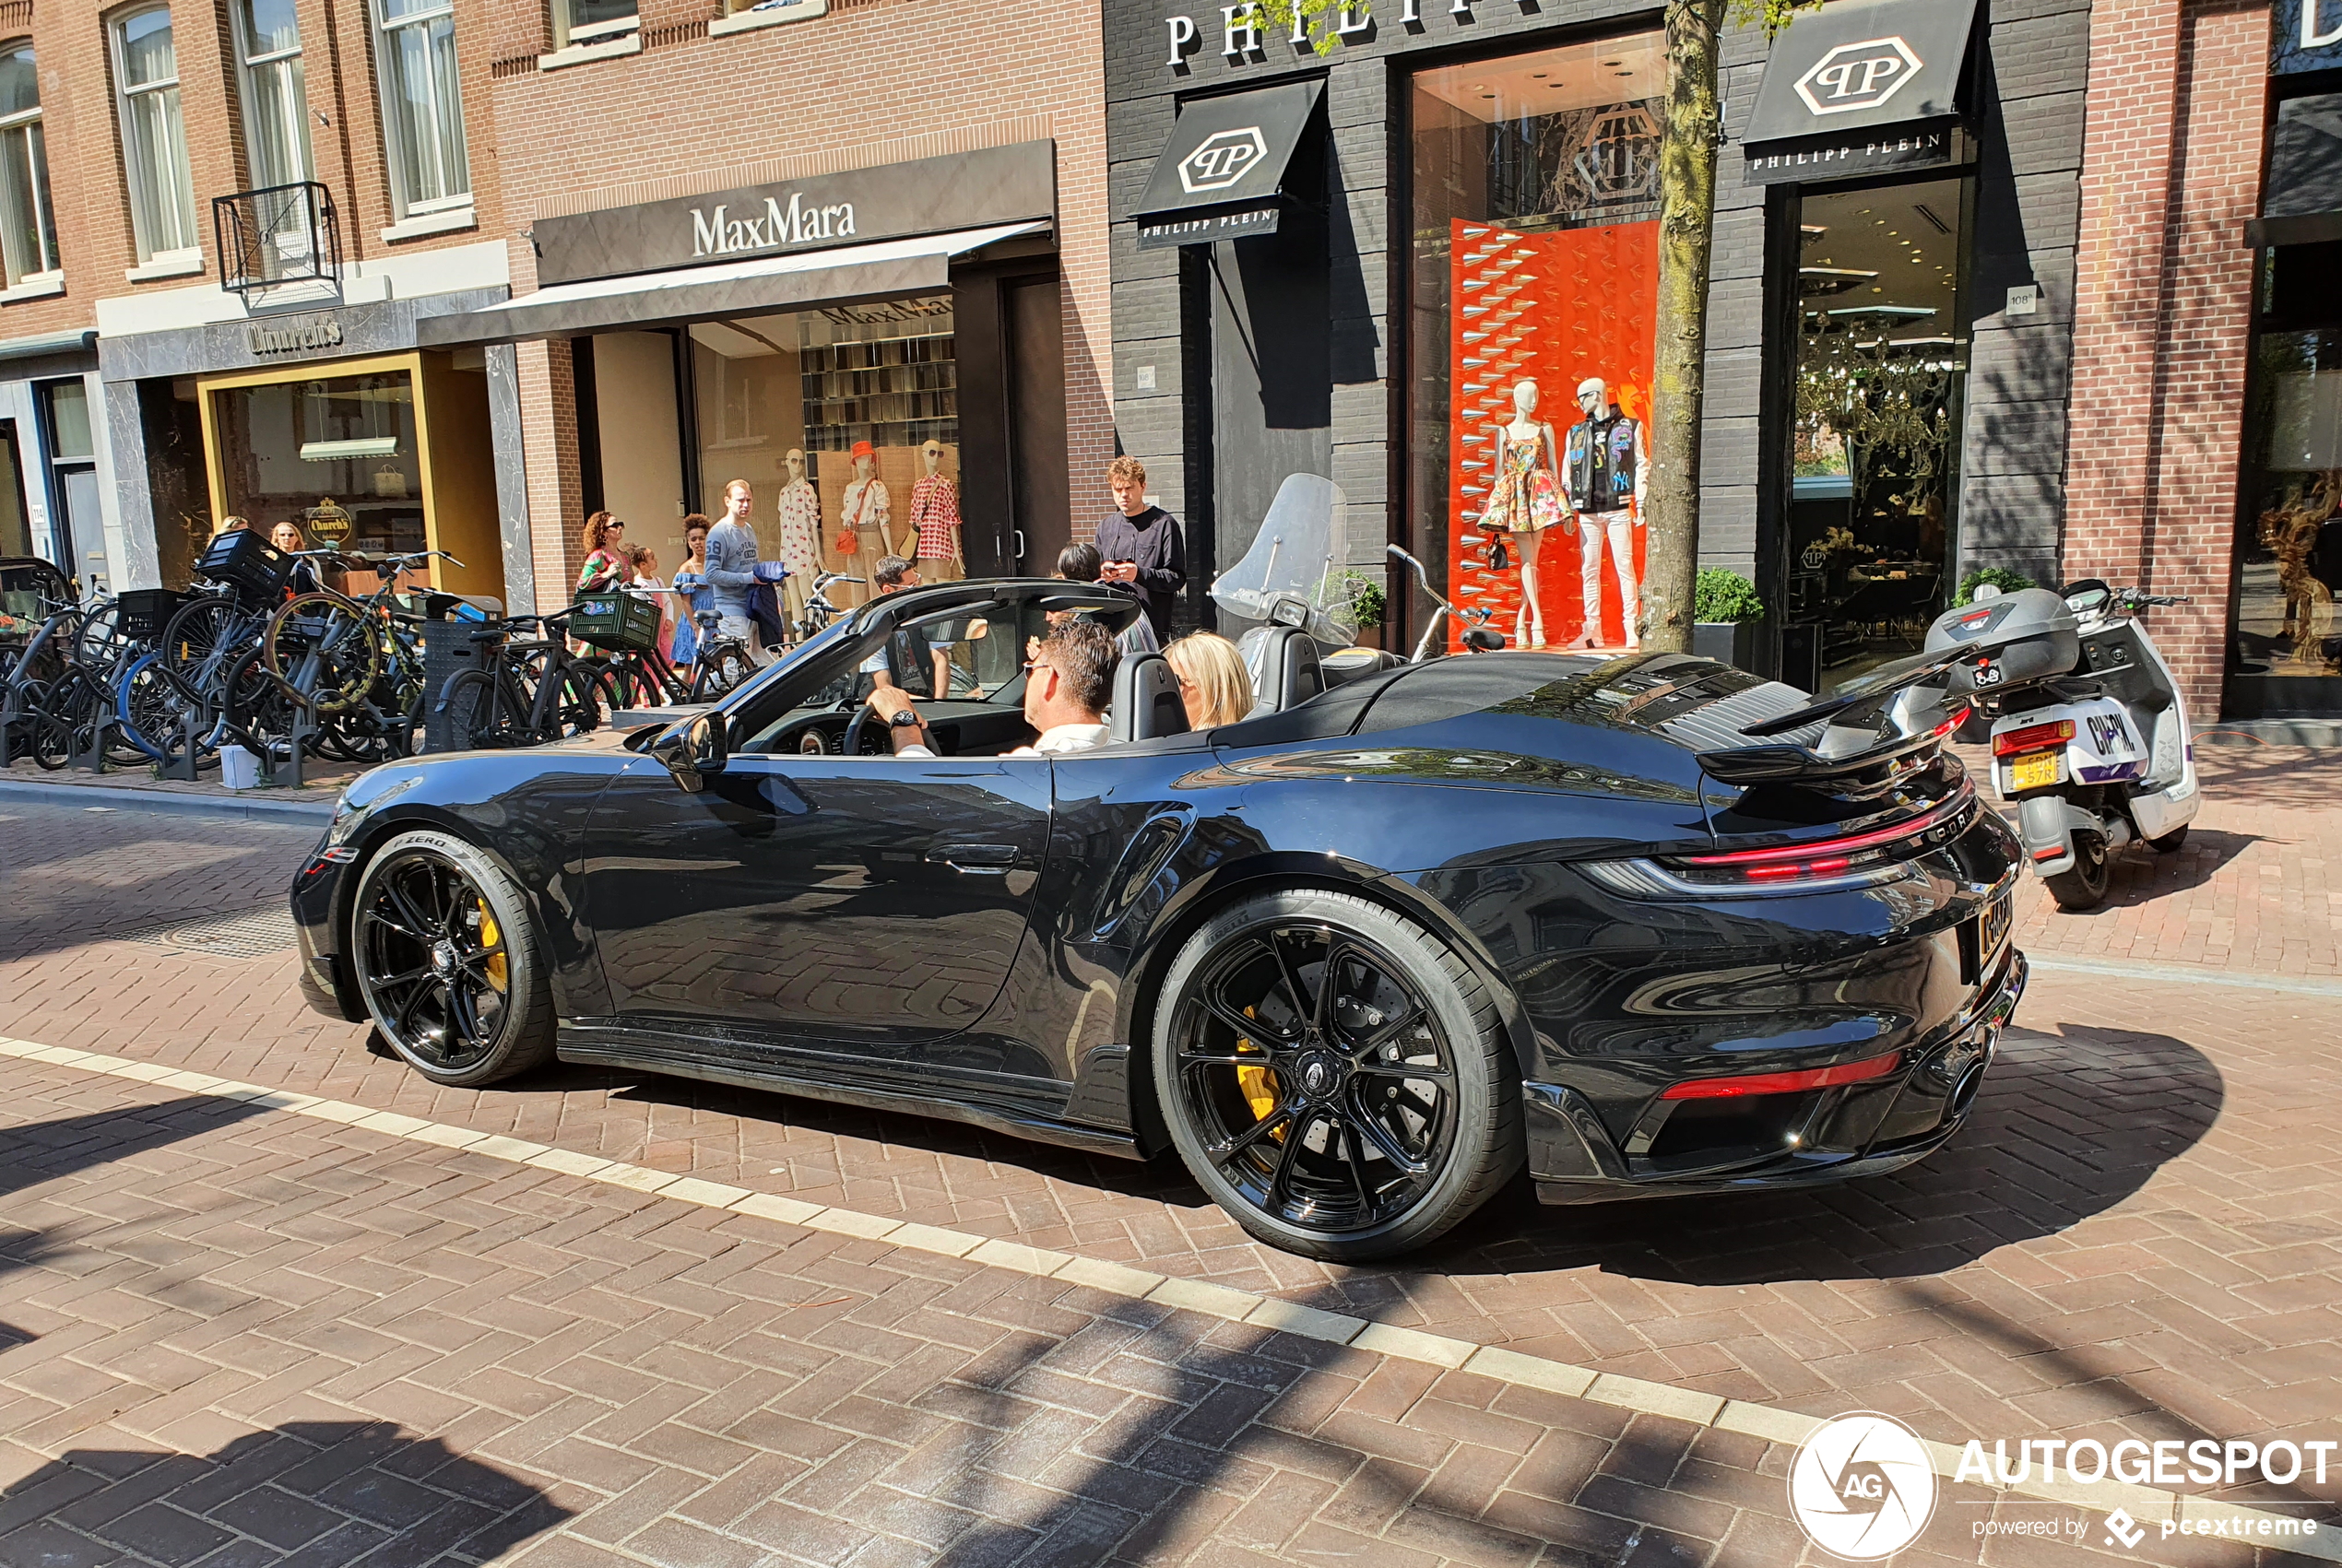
(94, 760)
(196, 725)
(304, 727)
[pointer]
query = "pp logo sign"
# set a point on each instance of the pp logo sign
(1221, 159)
(1861, 1486)
(1858, 75)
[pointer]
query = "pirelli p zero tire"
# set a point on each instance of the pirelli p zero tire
(448, 961)
(1335, 1076)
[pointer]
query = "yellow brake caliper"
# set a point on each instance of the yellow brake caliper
(499, 968)
(1259, 1086)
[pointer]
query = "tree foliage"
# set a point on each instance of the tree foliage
(1313, 21)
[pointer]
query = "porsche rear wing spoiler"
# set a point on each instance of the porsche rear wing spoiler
(1869, 771)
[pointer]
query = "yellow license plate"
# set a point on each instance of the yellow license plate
(2033, 771)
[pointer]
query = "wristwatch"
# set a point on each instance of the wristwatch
(907, 718)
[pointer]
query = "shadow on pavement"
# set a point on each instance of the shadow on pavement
(2067, 1126)
(324, 1493)
(2138, 874)
(62, 886)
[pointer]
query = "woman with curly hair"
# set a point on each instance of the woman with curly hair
(605, 565)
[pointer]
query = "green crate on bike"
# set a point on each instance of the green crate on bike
(621, 623)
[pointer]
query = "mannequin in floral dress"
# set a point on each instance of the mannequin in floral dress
(866, 510)
(800, 508)
(1524, 499)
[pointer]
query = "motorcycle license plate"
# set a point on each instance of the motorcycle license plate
(1991, 930)
(2033, 771)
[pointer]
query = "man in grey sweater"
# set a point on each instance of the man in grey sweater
(731, 567)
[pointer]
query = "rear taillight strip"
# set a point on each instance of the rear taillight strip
(1841, 848)
(1783, 1083)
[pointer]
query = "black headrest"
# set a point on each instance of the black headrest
(1284, 665)
(1146, 700)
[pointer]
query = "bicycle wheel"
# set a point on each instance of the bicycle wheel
(199, 629)
(100, 638)
(588, 696)
(151, 711)
(722, 668)
(326, 646)
(68, 714)
(474, 711)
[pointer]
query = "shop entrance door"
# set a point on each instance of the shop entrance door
(1042, 491)
(1865, 558)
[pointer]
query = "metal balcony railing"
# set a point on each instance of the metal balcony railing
(282, 234)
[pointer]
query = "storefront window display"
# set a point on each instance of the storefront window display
(379, 455)
(2288, 649)
(1881, 351)
(845, 419)
(1534, 278)
(309, 450)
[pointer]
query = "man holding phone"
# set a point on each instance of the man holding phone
(1139, 543)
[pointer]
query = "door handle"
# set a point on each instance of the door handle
(992, 858)
(1020, 545)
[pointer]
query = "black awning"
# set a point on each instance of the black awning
(2302, 202)
(1864, 85)
(1222, 173)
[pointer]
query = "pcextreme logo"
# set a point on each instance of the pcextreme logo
(1862, 1487)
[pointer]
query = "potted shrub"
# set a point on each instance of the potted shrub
(2007, 581)
(1365, 590)
(1725, 612)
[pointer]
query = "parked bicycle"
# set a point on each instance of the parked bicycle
(530, 690)
(359, 662)
(644, 676)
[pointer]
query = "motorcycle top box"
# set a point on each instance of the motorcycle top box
(2026, 636)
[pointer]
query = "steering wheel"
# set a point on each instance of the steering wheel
(855, 730)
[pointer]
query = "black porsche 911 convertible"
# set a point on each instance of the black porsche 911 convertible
(1644, 922)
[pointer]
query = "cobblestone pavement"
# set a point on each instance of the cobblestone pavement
(220, 1316)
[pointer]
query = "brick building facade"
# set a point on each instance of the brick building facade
(124, 303)
(2193, 338)
(204, 392)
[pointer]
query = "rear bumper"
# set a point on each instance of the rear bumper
(1573, 1159)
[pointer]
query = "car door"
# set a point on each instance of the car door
(864, 904)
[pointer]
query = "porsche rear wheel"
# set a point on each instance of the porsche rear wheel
(448, 961)
(1334, 1076)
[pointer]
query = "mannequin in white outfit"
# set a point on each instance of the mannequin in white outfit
(1606, 467)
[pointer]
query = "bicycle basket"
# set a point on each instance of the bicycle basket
(618, 621)
(245, 561)
(142, 612)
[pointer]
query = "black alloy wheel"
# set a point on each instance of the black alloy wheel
(445, 957)
(1334, 1076)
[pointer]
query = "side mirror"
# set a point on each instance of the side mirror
(694, 749)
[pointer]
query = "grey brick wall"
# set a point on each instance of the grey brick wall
(2012, 459)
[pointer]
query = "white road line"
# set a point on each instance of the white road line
(2149, 1506)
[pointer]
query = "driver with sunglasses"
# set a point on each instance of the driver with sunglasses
(1067, 687)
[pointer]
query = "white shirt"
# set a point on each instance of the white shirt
(1057, 738)
(1064, 737)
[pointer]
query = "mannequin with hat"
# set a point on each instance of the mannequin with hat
(865, 511)
(935, 518)
(800, 508)
(1605, 468)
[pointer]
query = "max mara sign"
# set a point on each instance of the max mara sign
(932, 196)
(722, 232)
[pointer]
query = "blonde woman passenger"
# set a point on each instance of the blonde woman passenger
(1213, 683)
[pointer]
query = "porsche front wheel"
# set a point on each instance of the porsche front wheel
(447, 958)
(1334, 1076)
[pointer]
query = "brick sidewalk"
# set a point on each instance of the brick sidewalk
(229, 1336)
(2249, 891)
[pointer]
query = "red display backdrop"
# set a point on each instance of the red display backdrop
(1553, 308)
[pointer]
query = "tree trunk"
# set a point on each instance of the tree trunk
(1687, 211)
